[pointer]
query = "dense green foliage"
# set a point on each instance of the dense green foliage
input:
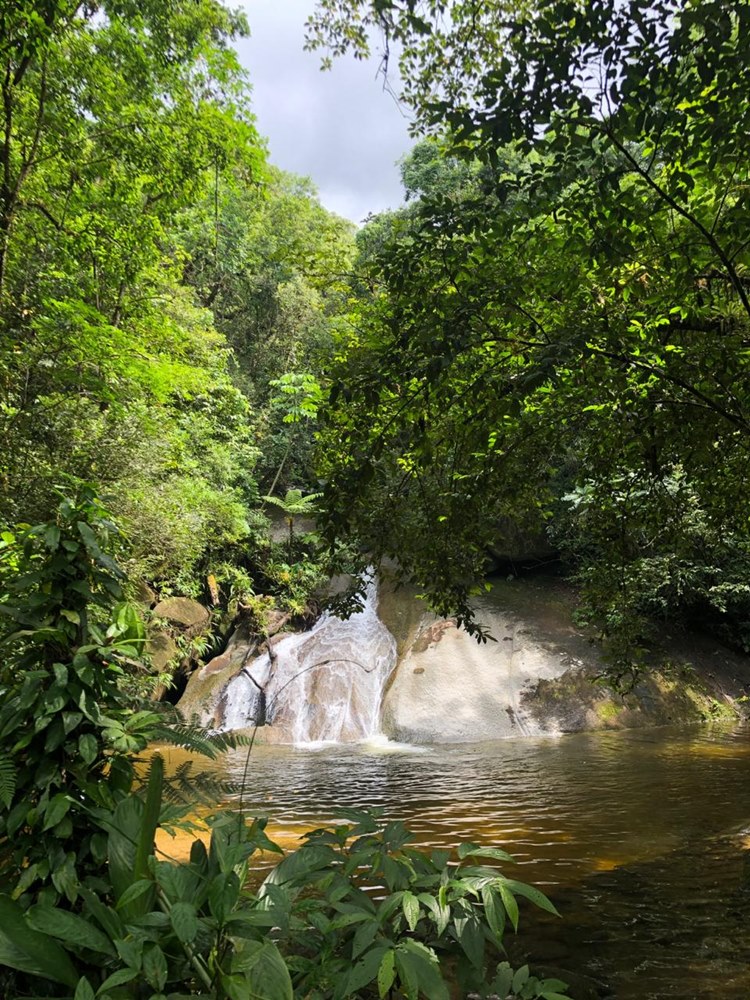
(557, 332)
(161, 289)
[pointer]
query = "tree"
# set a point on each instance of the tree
(273, 265)
(115, 117)
(572, 336)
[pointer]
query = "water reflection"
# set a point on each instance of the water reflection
(637, 835)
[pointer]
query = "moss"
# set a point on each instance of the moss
(607, 710)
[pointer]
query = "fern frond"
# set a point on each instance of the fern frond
(187, 787)
(7, 780)
(206, 743)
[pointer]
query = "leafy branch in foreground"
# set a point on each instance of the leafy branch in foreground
(315, 927)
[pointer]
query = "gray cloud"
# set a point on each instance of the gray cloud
(338, 127)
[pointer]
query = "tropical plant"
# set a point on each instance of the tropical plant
(313, 928)
(294, 504)
(379, 917)
(69, 727)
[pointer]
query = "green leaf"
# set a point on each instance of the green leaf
(154, 966)
(106, 917)
(57, 808)
(124, 831)
(408, 974)
(503, 980)
(510, 904)
(84, 990)
(386, 973)
(410, 906)
(264, 970)
(52, 537)
(532, 894)
(520, 979)
(135, 891)
(88, 748)
(471, 937)
(70, 928)
(476, 851)
(441, 914)
(554, 985)
(184, 919)
(7, 780)
(223, 894)
(130, 950)
(426, 964)
(365, 971)
(364, 937)
(29, 951)
(118, 978)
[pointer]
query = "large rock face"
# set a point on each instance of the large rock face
(450, 689)
(540, 675)
(537, 677)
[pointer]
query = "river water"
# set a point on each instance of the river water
(637, 836)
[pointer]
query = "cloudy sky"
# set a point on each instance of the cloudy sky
(338, 127)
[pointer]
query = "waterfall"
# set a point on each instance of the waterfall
(323, 685)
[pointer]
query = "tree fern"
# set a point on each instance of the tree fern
(191, 787)
(294, 503)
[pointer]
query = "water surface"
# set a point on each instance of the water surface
(638, 836)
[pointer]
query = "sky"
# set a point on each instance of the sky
(338, 127)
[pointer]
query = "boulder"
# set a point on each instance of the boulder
(162, 649)
(183, 612)
(515, 547)
(143, 594)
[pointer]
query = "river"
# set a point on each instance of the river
(638, 837)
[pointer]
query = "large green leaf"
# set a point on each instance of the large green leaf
(534, 895)
(365, 971)
(70, 928)
(386, 972)
(124, 833)
(184, 919)
(509, 902)
(426, 967)
(264, 969)
(476, 851)
(27, 950)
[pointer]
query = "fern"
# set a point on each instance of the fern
(7, 780)
(206, 743)
(192, 788)
(294, 503)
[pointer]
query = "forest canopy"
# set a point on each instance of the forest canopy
(562, 337)
(161, 286)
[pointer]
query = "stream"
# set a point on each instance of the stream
(638, 836)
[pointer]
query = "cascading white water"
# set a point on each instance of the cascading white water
(323, 685)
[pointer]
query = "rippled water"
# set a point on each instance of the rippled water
(637, 836)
